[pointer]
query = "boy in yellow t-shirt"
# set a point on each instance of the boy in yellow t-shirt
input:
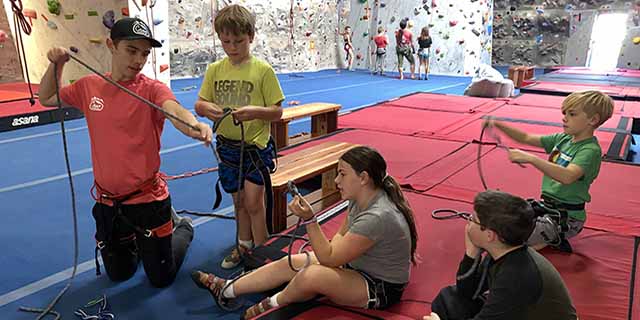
(249, 87)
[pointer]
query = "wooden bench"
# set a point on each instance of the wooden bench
(301, 166)
(324, 119)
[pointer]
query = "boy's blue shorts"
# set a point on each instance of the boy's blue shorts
(254, 157)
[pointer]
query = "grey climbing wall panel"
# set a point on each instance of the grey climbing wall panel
(552, 32)
(307, 44)
(461, 31)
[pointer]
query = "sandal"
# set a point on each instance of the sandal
(212, 283)
(258, 308)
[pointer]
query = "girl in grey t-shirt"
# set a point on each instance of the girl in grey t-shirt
(366, 264)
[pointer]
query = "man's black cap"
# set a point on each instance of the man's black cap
(133, 29)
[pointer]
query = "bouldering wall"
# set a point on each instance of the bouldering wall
(9, 64)
(74, 23)
(155, 14)
(550, 32)
(461, 31)
(630, 52)
(291, 35)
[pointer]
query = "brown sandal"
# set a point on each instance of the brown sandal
(258, 308)
(212, 283)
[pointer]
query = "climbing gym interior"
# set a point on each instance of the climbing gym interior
(417, 80)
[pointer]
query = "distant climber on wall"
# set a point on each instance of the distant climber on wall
(405, 48)
(348, 45)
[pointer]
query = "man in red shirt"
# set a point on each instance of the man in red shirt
(133, 207)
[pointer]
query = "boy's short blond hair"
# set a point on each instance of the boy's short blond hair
(235, 19)
(592, 102)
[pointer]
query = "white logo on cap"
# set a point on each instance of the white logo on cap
(140, 29)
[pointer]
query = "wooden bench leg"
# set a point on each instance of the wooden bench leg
(279, 218)
(280, 133)
(329, 185)
(322, 124)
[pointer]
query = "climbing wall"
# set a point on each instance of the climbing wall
(580, 36)
(550, 32)
(79, 24)
(461, 31)
(291, 35)
(155, 14)
(630, 53)
(9, 63)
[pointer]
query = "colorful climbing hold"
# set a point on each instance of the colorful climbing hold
(73, 49)
(92, 13)
(164, 68)
(52, 25)
(636, 40)
(53, 6)
(125, 12)
(453, 23)
(95, 40)
(108, 19)
(157, 21)
(69, 16)
(3, 36)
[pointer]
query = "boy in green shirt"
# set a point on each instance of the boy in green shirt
(250, 88)
(573, 164)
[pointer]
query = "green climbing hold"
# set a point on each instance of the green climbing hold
(365, 34)
(53, 6)
(69, 16)
(92, 13)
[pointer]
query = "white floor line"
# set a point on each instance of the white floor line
(88, 265)
(38, 135)
(83, 171)
(337, 88)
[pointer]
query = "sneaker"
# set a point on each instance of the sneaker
(258, 309)
(234, 258)
(210, 283)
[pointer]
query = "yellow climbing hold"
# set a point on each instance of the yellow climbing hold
(95, 40)
(636, 40)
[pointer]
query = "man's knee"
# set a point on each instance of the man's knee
(119, 266)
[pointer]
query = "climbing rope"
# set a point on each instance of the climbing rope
(21, 25)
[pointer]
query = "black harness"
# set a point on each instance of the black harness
(105, 223)
(252, 152)
(557, 212)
